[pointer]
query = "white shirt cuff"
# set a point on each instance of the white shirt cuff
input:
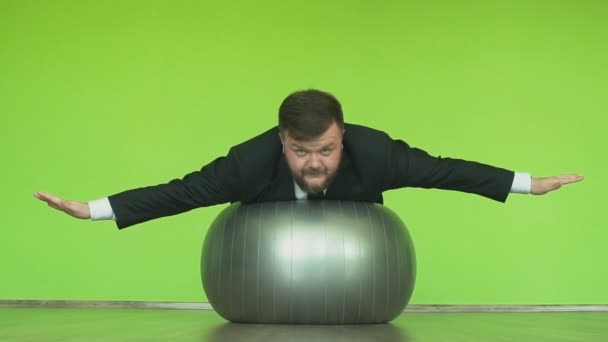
(101, 210)
(522, 183)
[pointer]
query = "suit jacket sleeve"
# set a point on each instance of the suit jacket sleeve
(412, 167)
(216, 183)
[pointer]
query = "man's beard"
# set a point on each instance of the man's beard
(314, 188)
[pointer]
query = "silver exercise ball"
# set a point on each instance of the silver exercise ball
(308, 262)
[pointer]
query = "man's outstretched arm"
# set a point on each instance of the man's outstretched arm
(416, 168)
(216, 183)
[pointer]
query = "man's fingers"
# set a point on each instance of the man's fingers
(565, 179)
(41, 195)
(46, 197)
(52, 201)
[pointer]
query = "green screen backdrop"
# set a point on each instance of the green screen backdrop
(101, 96)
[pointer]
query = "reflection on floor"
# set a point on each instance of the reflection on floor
(57, 324)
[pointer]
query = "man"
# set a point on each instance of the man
(311, 154)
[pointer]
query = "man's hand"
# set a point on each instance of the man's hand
(542, 185)
(76, 209)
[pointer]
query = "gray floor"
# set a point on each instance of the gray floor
(61, 324)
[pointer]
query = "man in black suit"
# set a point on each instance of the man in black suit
(311, 154)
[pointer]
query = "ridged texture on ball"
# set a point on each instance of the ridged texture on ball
(308, 262)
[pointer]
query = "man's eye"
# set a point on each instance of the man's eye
(301, 153)
(325, 151)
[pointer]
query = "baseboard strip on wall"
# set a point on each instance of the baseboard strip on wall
(207, 306)
(103, 304)
(509, 308)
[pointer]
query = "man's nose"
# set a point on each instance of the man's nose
(314, 161)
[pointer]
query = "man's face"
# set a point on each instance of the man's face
(314, 163)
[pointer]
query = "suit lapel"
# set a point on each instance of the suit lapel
(346, 184)
(284, 189)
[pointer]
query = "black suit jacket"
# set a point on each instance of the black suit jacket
(256, 171)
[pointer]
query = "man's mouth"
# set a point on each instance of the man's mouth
(315, 174)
